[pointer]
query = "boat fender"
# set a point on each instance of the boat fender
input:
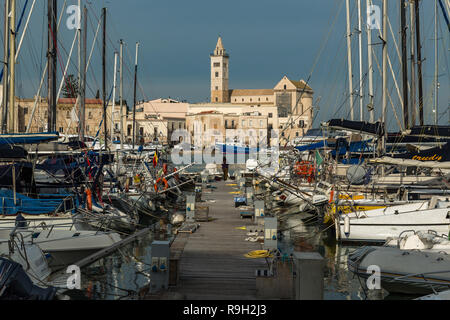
(89, 199)
(347, 225)
(331, 196)
(396, 212)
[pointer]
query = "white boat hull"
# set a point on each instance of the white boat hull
(375, 226)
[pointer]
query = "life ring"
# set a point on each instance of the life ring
(166, 184)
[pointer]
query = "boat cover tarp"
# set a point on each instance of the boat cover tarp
(312, 146)
(26, 205)
(434, 131)
(376, 128)
(15, 284)
(411, 163)
(28, 138)
(12, 152)
(439, 154)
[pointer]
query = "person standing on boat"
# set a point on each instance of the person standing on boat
(225, 168)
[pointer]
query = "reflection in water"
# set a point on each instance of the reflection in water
(340, 283)
(120, 275)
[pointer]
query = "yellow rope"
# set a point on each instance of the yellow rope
(256, 254)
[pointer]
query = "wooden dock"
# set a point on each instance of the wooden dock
(211, 261)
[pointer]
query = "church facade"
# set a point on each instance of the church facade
(287, 107)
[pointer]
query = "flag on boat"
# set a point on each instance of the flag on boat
(155, 159)
(319, 158)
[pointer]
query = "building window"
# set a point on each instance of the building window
(224, 64)
(250, 123)
(217, 74)
(296, 134)
(217, 99)
(87, 128)
(25, 110)
(243, 123)
(232, 123)
(259, 99)
(267, 99)
(250, 99)
(129, 130)
(242, 99)
(260, 123)
(67, 114)
(270, 115)
(179, 125)
(284, 87)
(217, 88)
(235, 100)
(226, 123)
(216, 64)
(204, 127)
(90, 115)
(61, 129)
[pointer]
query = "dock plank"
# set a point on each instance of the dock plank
(212, 263)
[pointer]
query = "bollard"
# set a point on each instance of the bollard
(190, 207)
(259, 211)
(249, 195)
(309, 275)
(160, 265)
(270, 233)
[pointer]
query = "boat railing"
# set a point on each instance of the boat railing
(420, 275)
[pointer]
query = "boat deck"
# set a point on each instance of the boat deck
(212, 263)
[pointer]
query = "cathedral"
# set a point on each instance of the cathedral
(288, 105)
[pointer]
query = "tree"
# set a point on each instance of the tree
(70, 88)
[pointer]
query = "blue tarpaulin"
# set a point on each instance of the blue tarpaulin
(25, 204)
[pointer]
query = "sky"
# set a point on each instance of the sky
(303, 39)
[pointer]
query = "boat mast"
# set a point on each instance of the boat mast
(134, 100)
(11, 125)
(5, 68)
(384, 75)
(82, 111)
(369, 59)
(436, 62)
(361, 97)
(79, 61)
(51, 56)
(349, 58)
(104, 78)
(113, 97)
(419, 61)
(413, 64)
(121, 94)
(404, 64)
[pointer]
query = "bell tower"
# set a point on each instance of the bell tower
(219, 74)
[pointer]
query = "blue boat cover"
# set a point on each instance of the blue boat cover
(25, 204)
(28, 138)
